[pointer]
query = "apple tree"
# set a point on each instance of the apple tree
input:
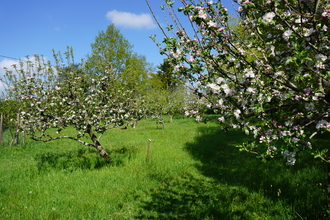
(53, 98)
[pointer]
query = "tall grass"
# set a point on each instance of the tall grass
(195, 172)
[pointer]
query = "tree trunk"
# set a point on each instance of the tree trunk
(1, 131)
(97, 144)
(15, 140)
(160, 120)
(171, 118)
(328, 165)
(135, 123)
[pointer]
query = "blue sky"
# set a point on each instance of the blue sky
(38, 26)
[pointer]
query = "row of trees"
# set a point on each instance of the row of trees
(112, 87)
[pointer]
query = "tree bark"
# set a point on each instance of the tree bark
(1, 131)
(171, 118)
(15, 140)
(328, 165)
(160, 120)
(97, 144)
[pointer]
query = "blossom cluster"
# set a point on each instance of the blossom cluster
(191, 113)
(290, 156)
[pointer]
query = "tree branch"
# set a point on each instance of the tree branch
(61, 137)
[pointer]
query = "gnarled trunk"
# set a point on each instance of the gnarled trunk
(97, 144)
(160, 120)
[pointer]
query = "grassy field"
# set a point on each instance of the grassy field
(195, 172)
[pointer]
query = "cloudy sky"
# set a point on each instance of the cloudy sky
(38, 26)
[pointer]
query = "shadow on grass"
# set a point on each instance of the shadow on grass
(193, 197)
(239, 186)
(82, 158)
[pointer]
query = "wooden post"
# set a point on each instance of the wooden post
(1, 131)
(148, 151)
(16, 142)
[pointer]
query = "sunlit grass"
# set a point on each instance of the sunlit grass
(195, 172)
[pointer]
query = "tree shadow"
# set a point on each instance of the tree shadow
(239, 186)
(193, 197)
(83, 158)
(299, 187)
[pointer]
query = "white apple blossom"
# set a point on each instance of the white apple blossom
(320, 57)
(308, 32)
(251, 90)
(268, 17)
(226, 89)
(176, 54)
(237, 113)
(272, 148)
(202, 14)
(321, 124)
(219, 80)
(212, 24)
(249, 73)
(287, 34)
(214, 88)
(221, 119)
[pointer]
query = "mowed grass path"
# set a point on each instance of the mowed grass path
(195, 172)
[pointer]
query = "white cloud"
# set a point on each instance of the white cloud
(130, 20)
(8, 64)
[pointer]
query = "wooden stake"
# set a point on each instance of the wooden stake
(1, 122)
(148, 151)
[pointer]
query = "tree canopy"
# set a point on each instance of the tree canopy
(112, 50)
(278, 75)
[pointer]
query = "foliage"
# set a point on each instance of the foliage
(278, 75)
(9, 110)
(10, 120)
(112, 50)
(167, 78)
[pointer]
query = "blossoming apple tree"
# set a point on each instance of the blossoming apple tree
(53, 98)
(272, 81)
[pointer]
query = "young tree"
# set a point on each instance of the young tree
(278, 75)
(91, 104)
(166, 90)
(156, 103)
(177, 100)
(165, 93)
(109, 49)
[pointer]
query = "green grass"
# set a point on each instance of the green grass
(195, 172)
